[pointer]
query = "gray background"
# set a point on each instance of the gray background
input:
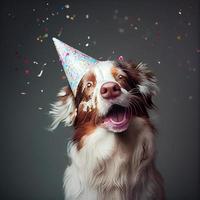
(164, 34)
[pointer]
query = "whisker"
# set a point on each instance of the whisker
(138, 104)
(132, 104)
(144, 97)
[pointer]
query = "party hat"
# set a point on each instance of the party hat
(75, 63)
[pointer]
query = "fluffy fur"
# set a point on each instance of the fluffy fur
(107, 164)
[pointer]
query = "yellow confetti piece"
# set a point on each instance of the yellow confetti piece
(178, 37)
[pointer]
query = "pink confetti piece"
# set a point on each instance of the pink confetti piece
(198, 50)
(120, 58)
(63, 77)
(26, 61)
(27, 71)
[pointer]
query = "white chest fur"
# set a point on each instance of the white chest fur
(103, 169)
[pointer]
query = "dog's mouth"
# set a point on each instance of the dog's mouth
(117, 119)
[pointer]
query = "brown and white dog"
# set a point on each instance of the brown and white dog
(113, 147)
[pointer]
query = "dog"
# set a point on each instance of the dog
(112, 151)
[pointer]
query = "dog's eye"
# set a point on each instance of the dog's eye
(89, 84)
(120, 77)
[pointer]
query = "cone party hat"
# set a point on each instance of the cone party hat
(75, 63)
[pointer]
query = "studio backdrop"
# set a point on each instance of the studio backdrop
(163, 34)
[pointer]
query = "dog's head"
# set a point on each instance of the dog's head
(109, 95)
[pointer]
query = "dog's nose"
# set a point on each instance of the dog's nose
(110, 90)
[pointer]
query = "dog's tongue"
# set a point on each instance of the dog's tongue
(117, 117)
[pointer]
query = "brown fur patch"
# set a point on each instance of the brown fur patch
(82, 132)
(115, 72)
(83, 92)
(86, 121)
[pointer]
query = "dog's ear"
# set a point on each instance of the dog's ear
(143, 79)
(147, 81)
(64, 109)
(147, 84)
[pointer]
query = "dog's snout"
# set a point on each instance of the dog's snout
(110, 90)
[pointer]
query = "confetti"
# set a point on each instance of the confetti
(87, 44)
(45, 64)
(40, 108)
(39, 38)
(73, 17)
(194, 69)
(45, 35)
(198, 50)
(87, 16)
(27, 71)
(60, 32)
(180, 12)
(23, 93)
(88, 37)
(26, 61)
(42, 37)
(116, 11)
(63, 77)
(159, 62)
(35, 62)
(178, 37)
(121, 30)
(190, 97)
(120, 58)
(136, 28)
(67, 6)
(125, 18)
(40, 74)
(41, 91)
